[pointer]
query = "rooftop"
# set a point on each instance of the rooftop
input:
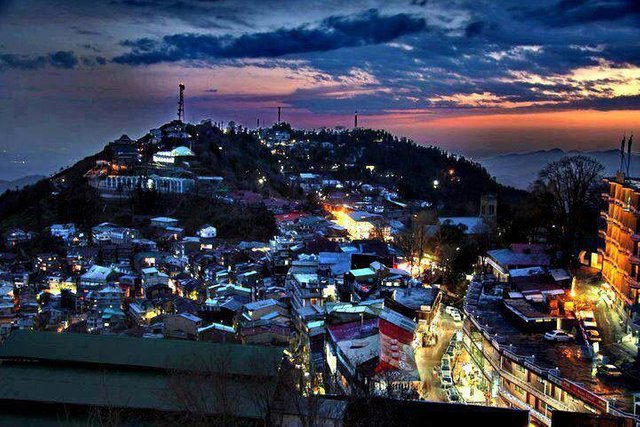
(567, 357)
(114, 351)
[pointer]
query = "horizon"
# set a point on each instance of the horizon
(478, 79)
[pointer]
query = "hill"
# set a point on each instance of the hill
(451, 183)
(521, 169)
(17, 184)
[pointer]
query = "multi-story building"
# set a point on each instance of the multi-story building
(620, 232)
(520, 369)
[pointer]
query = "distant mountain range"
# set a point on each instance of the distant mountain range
(19, 183)
(521, 169)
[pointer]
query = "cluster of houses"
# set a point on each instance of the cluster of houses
(330, 286)
(342, 305)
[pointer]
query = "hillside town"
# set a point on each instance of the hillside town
(365, 292)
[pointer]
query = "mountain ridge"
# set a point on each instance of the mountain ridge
(520, 169)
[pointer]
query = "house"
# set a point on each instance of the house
(151, 276)
(501, 261)
(96, 277)
(217, 332)
(17, 236)
(164, 222)
(109, 297)
(183, 326)
(265, 322)
(63, 231)
(352, 352)
(207, 232)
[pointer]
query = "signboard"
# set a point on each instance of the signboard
(586, 396)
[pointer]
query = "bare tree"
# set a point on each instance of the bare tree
(413, 242)
(207, 391)
(568, 189)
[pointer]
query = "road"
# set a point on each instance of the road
(427, 358)
(610, 324)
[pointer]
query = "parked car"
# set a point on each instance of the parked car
(445, 380)
(610, 371)
(451, 350)
(558, 335)
(588, 319)
(593, 335)
(457, 317)
(453, 396)
(450, 309)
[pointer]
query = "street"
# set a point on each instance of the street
(428, 358)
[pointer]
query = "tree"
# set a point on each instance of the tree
(569, 188)
(413, 242)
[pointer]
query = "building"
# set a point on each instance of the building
(128, 183)
(207, 232)
(175, 156)
(501, 261)
(620, 235)
(46, 374)
(64, 231)
(109, 297)
(360, 225)
(518, 368)
(397, 333)
(164, 222)
(183, 325)
(96, 277)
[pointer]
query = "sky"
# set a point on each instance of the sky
(476, 77)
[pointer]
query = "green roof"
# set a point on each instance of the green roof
(133, 390)
(137, 374)
(160, 354)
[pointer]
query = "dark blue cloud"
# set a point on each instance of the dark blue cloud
(574, 12)
(23, 62)
(333, 33)
(63, 59)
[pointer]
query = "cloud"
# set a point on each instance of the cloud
(23, 62)
(62, 59)
(574, 12)
(369, 28)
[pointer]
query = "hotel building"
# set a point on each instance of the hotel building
(620, 235)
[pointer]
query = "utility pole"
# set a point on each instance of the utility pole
(181, 103)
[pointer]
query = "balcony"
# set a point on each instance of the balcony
(633, 282)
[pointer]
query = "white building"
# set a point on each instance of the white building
(64, 231)
(161, 184)
(96, 276)
(173, 156)
(208, 232)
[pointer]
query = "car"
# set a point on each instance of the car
(453, 396)
(558, 335)
(593, 335)
(445, 368)
(457, 317)
(588, 319)
(446, 381)
(610, 371)
(451, 350)
(450, 310)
